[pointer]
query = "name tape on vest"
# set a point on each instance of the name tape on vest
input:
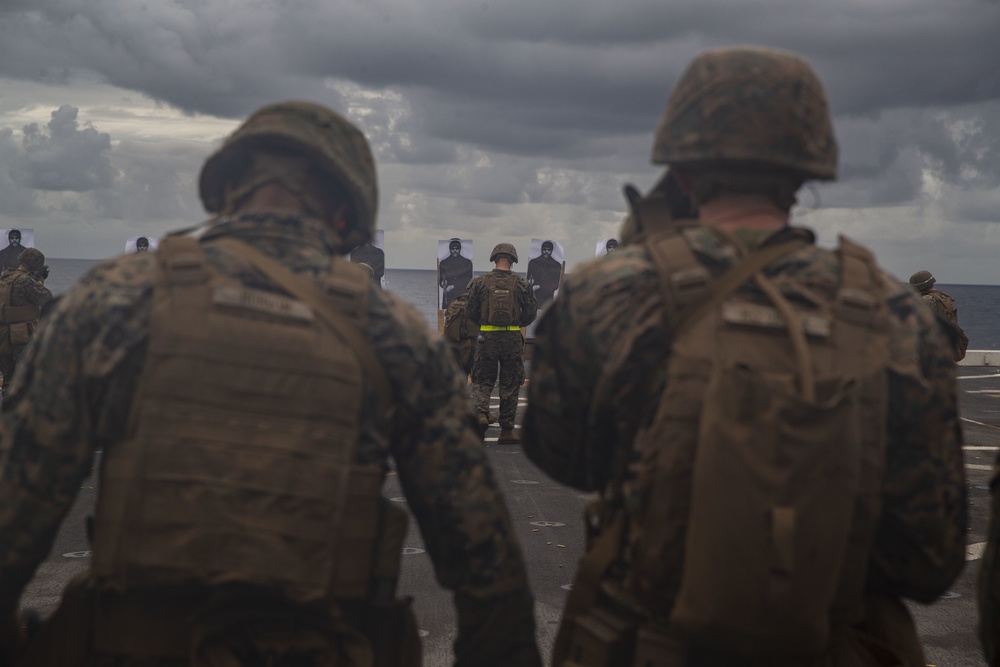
(756, 315)
(262, 302)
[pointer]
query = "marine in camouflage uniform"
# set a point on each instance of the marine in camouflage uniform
(81, 373)
(944, 307)
(27, 288)
(499, 346)
(600, 350)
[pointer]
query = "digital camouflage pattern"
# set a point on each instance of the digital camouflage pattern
(942, 304)
(311, 130)
(24, 291)
(506, 350)
(80, 373)
(499, 348)
(607, 330)
(748, 103)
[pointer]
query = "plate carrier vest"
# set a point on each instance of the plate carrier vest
(240, 459)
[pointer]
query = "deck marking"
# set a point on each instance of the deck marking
(523, 481)
(978, 448)
(398, 499)
(975, 551)
(547, 524)
(976, 466)
(77, 554)
(977, 377)
(973, 421)
(409, 551)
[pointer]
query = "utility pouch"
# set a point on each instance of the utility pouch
(65, 639)
(601, 638)
(20, 334)
(391, 630)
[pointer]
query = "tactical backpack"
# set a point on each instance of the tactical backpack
(757, 480)
(502, 308)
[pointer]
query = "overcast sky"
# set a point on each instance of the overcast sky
(493, 120)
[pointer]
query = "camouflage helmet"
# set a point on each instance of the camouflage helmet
(32, 258)
(323, 136)
(504, 249)
(749, 104)
(922, 280)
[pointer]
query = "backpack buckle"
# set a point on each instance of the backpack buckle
(687, 285)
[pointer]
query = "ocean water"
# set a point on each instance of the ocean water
(978, 305)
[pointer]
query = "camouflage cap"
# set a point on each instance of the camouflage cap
(922, 280)
(504, 249)
(32, 258)
(749, 104)
(319, 133)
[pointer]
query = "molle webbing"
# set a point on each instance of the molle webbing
(502, 307)
(239, 464)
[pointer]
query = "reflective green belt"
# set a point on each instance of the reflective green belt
(490, 327)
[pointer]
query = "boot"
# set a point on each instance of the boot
(482, 423)
(508, 437)
(494, 417)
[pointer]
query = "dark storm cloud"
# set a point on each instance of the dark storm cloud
(525, 77)
(14, 200)
(482, 107)
(64, 156)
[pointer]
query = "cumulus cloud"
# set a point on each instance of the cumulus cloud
(65, 157)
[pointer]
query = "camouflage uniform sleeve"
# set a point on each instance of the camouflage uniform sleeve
(474, 304)
(50, 426)
(920, 546)
(451, 490)
(28, 290)
(529, 305)
(597, 348)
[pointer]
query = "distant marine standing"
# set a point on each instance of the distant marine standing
(500, 302)
(944, 307)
